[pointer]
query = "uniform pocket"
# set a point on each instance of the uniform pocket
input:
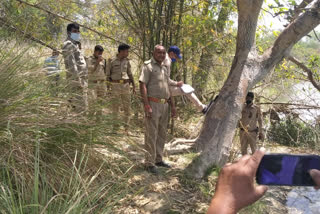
(157, 75)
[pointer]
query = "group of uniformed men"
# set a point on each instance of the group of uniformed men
(156, 87)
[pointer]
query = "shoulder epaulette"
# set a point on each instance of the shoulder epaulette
(147, 62)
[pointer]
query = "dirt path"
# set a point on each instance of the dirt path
(171, 193)
(167, 193)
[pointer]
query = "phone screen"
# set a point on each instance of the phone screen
(287, 170)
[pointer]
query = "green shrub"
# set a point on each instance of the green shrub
(293, 132)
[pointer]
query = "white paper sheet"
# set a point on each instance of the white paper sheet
(187, 88)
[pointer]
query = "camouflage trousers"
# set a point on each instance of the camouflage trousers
(78, 93)
(156, 133)
(248, 138)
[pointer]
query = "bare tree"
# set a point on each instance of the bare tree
(248, 68)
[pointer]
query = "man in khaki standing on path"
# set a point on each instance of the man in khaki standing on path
(77, 71)
(250, 125)
(96, 79)
(154, 88)
(120, 76)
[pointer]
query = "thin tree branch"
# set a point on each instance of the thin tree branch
(307, 70)
(300, 7)
(26, 35)
(316, 35)
(292, 104)
(68, 19)
(287, 39)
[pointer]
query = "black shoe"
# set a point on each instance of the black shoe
(206, 109)
(163, 164)
(152, 169)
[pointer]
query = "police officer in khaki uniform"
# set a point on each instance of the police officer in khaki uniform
(120, 76)
(175, 87)
(96, 78)
(154, 87)
(250, 125)
(77, 71)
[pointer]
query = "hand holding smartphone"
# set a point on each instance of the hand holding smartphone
(287, 170)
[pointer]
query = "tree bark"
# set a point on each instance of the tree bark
(299, 8)
(247, 69)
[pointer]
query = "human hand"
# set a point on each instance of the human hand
(99, 59)
(148, 111)
(315, 174)
(235, 188)
(179, 84)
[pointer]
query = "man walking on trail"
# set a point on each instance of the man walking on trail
(176, 87)
(77, 71)
(96, 78)
(120, 76)
(250, 125)
(154, 87)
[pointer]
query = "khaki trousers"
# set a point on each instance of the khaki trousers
(156, 133)
(120, 96)
(78, 93)
(176, 91)
(248, 138)
(96, 95)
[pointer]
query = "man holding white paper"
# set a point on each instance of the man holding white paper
(179, 88)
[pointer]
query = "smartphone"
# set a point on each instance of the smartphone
(287, 170)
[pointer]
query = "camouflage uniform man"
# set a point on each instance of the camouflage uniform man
(250, 125)
(154, 86)
(76, 69)
(175, 87)
(120, 75)
(96, 77)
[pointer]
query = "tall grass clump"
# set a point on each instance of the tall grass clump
(48, 160)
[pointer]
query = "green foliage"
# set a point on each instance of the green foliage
(292, 132)
(257, 208)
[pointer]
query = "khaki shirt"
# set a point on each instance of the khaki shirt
(96, 72)
(156, 78)
(167, 62)
(119, 69)
(73, 59)
(251, 118)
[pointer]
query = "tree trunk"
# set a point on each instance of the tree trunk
(247, 69)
